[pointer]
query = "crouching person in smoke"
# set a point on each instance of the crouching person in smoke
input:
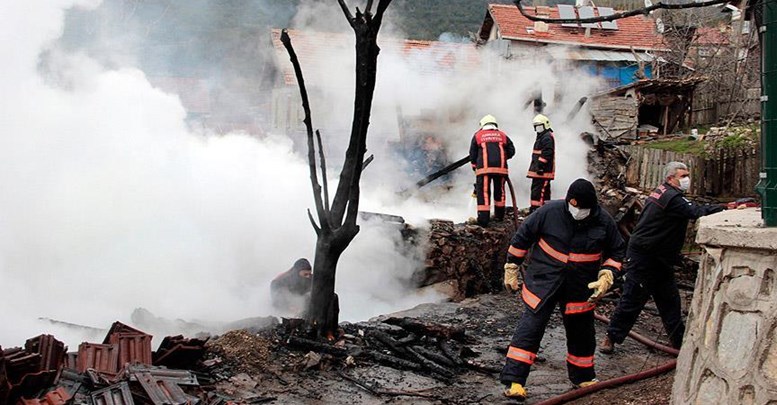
(290, 290)
(575, 248)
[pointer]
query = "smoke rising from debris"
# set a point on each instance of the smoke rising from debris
(112, 202)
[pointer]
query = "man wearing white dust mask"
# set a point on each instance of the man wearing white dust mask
(575, 247)
(654, 248)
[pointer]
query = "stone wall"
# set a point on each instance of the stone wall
(729, 353)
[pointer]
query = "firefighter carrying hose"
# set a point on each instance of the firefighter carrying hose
(543, 162)
(575, 247)
(488, 153)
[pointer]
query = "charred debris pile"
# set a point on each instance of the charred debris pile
(123, 370)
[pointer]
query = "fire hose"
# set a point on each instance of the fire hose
(614, 382)
(515, 204)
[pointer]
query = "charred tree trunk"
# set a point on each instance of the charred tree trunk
(337, 226)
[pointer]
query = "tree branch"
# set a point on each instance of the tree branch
(617, 16)
(323, 216)
(313, 222)
(347, 12)
(323, 171)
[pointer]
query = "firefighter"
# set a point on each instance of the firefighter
(654, 247)
(573, 246)
(290, 290)
(488, 153)
(543, 162)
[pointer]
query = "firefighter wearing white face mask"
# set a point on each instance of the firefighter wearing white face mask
(575, 250)
(654, 248)
(543, 162)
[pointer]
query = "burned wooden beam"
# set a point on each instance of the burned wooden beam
(393, 361)
(387, 341)
(430, 365)
(450, 353)
(312, 345)
(436, 357)
(428, 329)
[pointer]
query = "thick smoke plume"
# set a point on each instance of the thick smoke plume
(113, 202)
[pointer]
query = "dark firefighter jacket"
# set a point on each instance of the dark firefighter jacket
(662, 225)
(543, 157)
(489, 151)
(564, 250)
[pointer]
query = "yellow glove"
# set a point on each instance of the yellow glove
(601, 286)
(512, 281)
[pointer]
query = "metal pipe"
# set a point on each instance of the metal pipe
(767, 186)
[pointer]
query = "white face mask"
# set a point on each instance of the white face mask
(539, 128)
(685, 183)
(578, 214)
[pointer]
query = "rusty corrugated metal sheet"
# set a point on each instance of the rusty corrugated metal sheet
(180, 377)
(134, 348)
(59, 396)
(118, 394)
(51, 350)
(119, 328)
(134, 345)
(163, 391)
(103, 358)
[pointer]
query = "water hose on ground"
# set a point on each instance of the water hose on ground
(626, 379)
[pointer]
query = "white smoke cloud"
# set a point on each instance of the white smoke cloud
(111, 202)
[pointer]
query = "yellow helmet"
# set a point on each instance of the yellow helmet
(488, 119)
(541, 123)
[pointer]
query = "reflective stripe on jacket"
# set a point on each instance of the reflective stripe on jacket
(543, 157)
(563, 249)
(489, 151)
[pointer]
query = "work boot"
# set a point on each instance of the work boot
(587, 383)
(606, 346)
(516, 392)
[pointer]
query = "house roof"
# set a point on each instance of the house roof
(633, 32)
(711, 36)
(656, 86)
(314, 49)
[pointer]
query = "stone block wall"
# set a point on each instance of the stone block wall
(729, 353)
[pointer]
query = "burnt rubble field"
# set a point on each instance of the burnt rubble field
(440, 353)
(447, 353)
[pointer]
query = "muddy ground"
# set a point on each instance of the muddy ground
(261, 368)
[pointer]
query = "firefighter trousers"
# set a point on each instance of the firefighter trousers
(647, 277)
(578, 318)
(540, 193)
(487, 185)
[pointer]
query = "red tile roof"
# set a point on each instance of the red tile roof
(314, 49)
(710, 36)
(637, 32)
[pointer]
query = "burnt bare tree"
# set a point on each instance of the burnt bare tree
(336, 225)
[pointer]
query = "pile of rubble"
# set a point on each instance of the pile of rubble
(121, 370)
(465, 260)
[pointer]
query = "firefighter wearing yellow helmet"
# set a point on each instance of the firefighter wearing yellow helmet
(543, 162)
(488, 153)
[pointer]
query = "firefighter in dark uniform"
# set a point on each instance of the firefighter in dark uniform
(573, 246)
(654, 247)
(488, 153)
(543, 162)
(290, 290)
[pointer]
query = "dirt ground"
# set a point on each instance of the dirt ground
(261, 368)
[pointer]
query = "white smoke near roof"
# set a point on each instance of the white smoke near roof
(112, 203)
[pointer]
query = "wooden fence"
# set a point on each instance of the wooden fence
(728, 173)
